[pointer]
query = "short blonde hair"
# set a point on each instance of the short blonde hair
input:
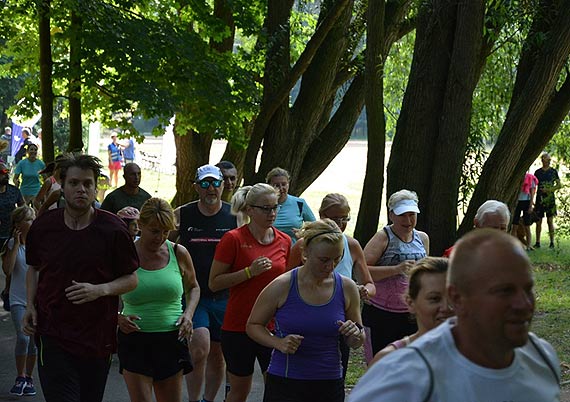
(276, 172)
(333, 199)
(157, 210)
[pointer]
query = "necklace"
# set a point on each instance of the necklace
(75, 220)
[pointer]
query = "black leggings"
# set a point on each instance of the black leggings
(386, 327)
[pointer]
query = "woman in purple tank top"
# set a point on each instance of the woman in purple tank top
(312, 306)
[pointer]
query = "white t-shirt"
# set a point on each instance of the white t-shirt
(403, 376)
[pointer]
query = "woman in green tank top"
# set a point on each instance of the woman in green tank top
(153, 329)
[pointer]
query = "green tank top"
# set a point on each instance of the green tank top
(157, 299)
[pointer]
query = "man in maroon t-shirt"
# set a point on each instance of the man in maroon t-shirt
(80, 259)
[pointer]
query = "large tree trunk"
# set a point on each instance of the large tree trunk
(46, 91)
(75, 128)
(192, 151)
(503, 170)
(432, 131)
(371, 200)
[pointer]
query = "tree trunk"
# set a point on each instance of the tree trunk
(192, 151)
(371, 200)
(46, 91)
(75, 128)
(503, 170)
(433, 128)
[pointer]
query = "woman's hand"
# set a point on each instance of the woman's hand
(353, 333)
(290, 344)
(260, 265)
(17, 238)
(185, 327)
(127, 323)
(405, 266)
(364, 295)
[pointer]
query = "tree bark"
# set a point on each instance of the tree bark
(46, 90)
(503, 170)
(371, 200)
(75, 127)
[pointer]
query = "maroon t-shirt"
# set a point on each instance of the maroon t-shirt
(100, 253)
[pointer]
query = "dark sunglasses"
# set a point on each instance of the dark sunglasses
(205, 183)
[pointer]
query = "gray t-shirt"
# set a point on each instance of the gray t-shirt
(18, 282)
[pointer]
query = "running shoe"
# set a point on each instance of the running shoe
(29, 389)
(18, 388)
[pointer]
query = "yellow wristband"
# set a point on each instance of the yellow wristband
(247, 272)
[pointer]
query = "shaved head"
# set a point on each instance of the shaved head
(472, 252)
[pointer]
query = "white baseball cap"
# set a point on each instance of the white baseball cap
(209, 171)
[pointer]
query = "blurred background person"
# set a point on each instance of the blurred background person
(293, 211)
(230, 175)
(548, 183)
(29, 169)
(15, 267)
(115, 156)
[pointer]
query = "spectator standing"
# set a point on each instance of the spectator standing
(201, 225)
(128, 195)
(115, 154)
(81, 258)
(29, 169)
(27, 140)
(293, 211)
(548, 183)
(247, 259)
(129, 151)
(485, 352)
(15, 267)
(7, 151)
(10, 198)
(525, 205)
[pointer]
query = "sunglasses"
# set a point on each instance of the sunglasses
(206, 183)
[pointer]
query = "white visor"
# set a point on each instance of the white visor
(406, 206)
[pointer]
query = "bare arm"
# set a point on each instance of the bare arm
(296, 255)
(84, 292)
(9, 256)
(351, 328)
(17, 180)
(173, 235)
(425, 241)
(268, 301)
(191, 291)
(51, 199)
(30, 320)
(372, 253)
(366, 286)
(38, 201)
(221, 277)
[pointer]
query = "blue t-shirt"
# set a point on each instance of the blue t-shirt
(291, 215)
(30, 184)
(129, 152)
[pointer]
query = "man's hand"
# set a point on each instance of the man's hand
(79, 293)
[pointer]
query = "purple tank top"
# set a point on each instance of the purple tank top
(318, 356)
